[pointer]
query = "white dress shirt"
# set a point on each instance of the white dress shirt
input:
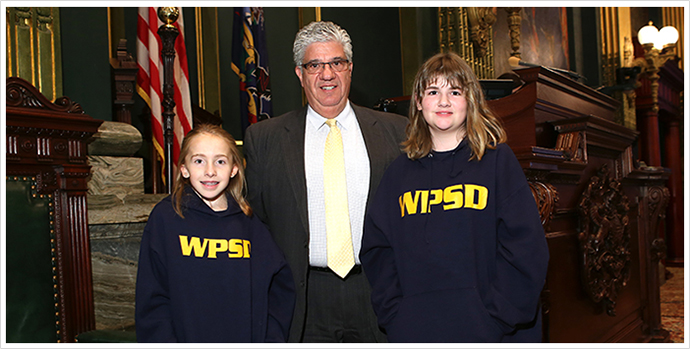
(357, 174)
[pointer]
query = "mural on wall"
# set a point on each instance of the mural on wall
(543, 38)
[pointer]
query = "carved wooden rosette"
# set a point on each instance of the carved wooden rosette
(604, 239)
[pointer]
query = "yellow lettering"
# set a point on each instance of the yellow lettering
(425, 200)
(476, 196)
(217, 245)
(235, 248)
(406, 202)
(437, 197)
(193, 245)
(453, 197)
(402, 207)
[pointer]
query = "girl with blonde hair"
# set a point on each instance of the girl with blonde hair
(208, 270)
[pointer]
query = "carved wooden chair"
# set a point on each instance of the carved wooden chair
(49, 288)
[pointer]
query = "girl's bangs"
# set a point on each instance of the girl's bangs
(452, 75)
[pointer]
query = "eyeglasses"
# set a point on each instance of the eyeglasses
(317, 67)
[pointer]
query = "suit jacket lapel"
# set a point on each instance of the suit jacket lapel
(292, 144)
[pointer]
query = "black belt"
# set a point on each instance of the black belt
(355, 270)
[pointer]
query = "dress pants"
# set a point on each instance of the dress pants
(339, 310)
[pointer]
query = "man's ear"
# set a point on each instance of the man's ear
(298, 72)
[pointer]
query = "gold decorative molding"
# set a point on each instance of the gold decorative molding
(481, 19)
(308, 15)
(617, 52)
(455, 35)
(208, 57)
(674, 16)
(33, 47)
(614, 25)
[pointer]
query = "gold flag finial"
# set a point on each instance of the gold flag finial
(168, 15)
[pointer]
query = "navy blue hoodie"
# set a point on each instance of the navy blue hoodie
(454, 249)
(211, 277)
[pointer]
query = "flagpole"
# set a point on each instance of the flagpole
(168, 33)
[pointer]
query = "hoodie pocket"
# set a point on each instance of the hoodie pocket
(446, 316)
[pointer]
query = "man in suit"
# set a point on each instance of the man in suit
(288, 179)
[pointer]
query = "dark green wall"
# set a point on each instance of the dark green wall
(85, 61)
(282, 23)
(591, 45)
(375, 34)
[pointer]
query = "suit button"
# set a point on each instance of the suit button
(301, 283)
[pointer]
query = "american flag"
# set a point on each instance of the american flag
(150, 81)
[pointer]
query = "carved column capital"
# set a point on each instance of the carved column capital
(480, 19)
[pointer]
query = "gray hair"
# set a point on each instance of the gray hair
(320, 32)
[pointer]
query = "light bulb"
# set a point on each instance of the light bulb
(659, 43)
(647, 34)
(669, 35)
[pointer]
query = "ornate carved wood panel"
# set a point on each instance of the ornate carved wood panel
(604, 239)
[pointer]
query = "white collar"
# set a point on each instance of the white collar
(344, 119)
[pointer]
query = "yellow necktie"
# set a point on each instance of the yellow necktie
(338, 236)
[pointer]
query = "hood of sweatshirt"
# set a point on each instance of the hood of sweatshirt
(437, 160)
(192, 201)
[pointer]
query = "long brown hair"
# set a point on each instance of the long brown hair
(483, 129)
(237, 187)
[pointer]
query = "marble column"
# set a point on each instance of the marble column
(118, 210)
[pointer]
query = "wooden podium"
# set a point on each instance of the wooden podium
(600, 211)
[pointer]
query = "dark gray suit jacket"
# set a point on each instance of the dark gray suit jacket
(277, 186)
